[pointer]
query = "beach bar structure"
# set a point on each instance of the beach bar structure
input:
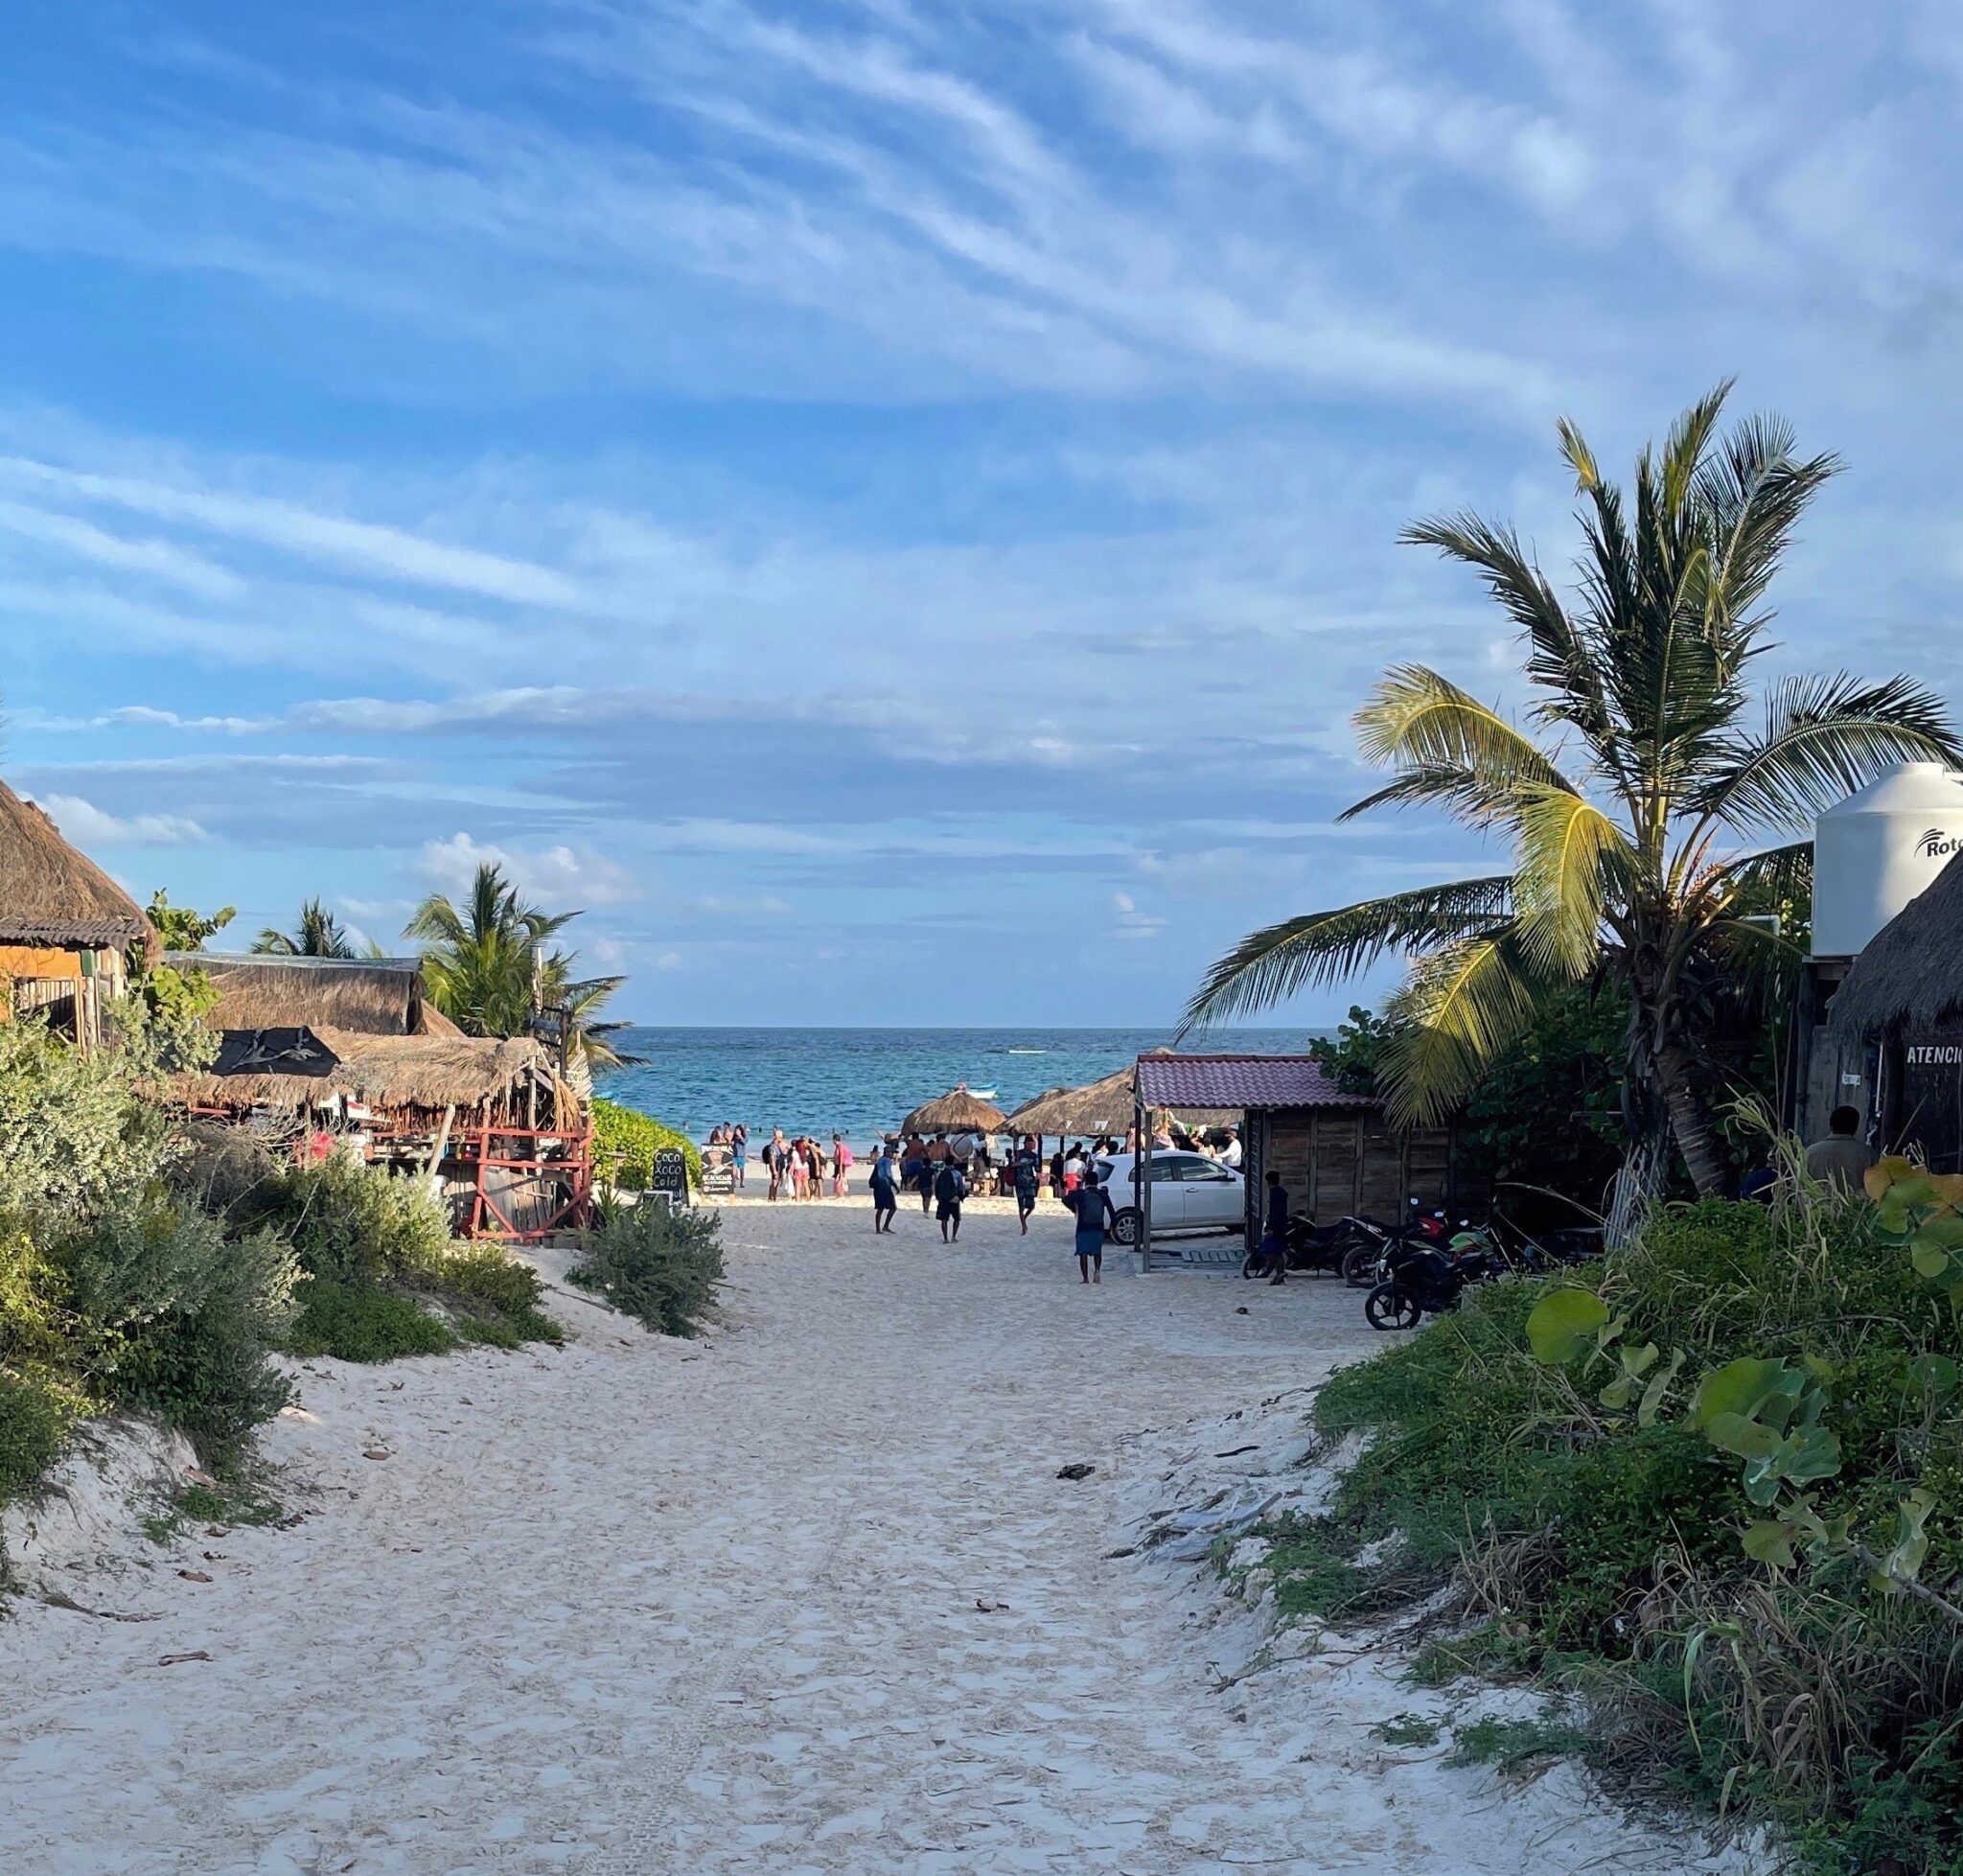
(1893, 1034)
(354, 1049)
(1336, 1152)
(65, 928)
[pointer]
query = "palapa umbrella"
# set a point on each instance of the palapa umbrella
(957, 1111)
(1103, 1106)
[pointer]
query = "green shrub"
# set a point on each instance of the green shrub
(172, 1317)
(1606, 1555)
(352, 1223)
(34, 1419)
(625, 1144)
(358, 1322)
(658, 1264)
(360, 1231)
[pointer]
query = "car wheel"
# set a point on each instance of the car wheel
(1125, 1227)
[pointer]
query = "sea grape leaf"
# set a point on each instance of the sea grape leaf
(1884, 1172)
(1618, 1391)
(1659, 1385)
(1564, 1324)
(1767, 1542)
(1904, 1564)
(1929, 1262)
(1739, 1387)
(1934, 1374)
(1749, 1439)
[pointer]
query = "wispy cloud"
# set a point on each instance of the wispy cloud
(87, 826)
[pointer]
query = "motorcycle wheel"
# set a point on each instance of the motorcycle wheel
(1252, 1264)
(1359, 1266)
(1387, 1307)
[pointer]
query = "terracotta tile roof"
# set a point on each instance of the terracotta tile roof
(1241, 1082)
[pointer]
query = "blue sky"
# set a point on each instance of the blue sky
(891, 506)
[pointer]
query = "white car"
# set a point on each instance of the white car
(1189, 1192)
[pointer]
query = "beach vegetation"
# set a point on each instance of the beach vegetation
(382, 1275)
(182, 927)
(1707, 1493)
(490, 971)
(1657, 797)
(655, 1263)
(625, 1144)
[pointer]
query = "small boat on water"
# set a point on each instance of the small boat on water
(983, 1094)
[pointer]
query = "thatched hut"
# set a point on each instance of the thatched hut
(490, 1119)
(957, 1111)
(65, 926)
(1894, 1029)
(369, 996)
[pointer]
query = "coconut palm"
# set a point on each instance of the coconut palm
(479, 962)
(1629, 824)
(318, 935)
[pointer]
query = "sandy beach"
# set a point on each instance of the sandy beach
(808, 1596)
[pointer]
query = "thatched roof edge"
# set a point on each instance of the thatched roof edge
(1912, 969)
(53, 894)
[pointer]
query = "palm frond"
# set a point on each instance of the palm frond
(1570, 854)
(1823, 737)
(1459, 1007)
(1560, 658)
(1460, 791)
(1268, 966)
(1415, 718)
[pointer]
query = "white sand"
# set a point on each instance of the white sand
(643, 1606)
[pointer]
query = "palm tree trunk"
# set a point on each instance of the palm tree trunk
(1690, 1121)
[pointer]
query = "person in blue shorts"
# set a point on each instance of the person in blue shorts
(885, 1198)
(1092, 1204)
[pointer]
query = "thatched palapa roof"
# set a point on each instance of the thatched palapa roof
(371, 996)
(387, 1072)
(1912, 969)
(1103, 1106)
(53, 895)
(957, 1111)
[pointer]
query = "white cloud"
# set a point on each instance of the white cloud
(85, 825)
(554, 875)
(1130, 922)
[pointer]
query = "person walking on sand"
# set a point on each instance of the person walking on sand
(1074, 1169)
(1092, 1204)
(813, 1170)
(739, 1150)
(1274, 1250)
(1028, 1175)
(950, 1188)
(885, 1198)
(841, 1166)
(801, 1167)
(776, 1158)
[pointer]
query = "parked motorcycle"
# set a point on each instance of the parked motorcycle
(1309, 1246)
(1427, 1280)
(1364, 1269)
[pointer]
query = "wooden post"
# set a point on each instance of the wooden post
(1142, 1168)
(433, 1170)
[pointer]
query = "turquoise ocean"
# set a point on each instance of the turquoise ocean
(861, 1081)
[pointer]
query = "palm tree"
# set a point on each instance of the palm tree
(1626, 832)
(318, 935)
(479, 961)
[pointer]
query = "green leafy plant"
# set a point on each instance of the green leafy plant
(625, 1143)
(658, 1264)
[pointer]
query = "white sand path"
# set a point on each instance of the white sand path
(640, 1607)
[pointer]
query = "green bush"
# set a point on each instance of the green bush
(363, 1232)
(659, 1265)
(625, 1144)
(34, 1419)
(172, 1317)
(359, 1322)
(1605, 1554)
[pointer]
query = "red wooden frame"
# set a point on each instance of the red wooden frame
(573, 1216)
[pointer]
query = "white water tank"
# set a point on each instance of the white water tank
(1876, 850)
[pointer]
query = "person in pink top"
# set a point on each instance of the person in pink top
(841, 1164)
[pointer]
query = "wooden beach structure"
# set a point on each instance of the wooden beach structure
(1891, 1042)
(315, 1050)
(1335, 1150)
(65, 928)
(957, 1111)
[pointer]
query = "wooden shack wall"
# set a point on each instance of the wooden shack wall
(1337, 1161)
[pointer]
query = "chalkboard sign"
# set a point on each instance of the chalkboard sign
(718, 1172)
(671, 1176)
